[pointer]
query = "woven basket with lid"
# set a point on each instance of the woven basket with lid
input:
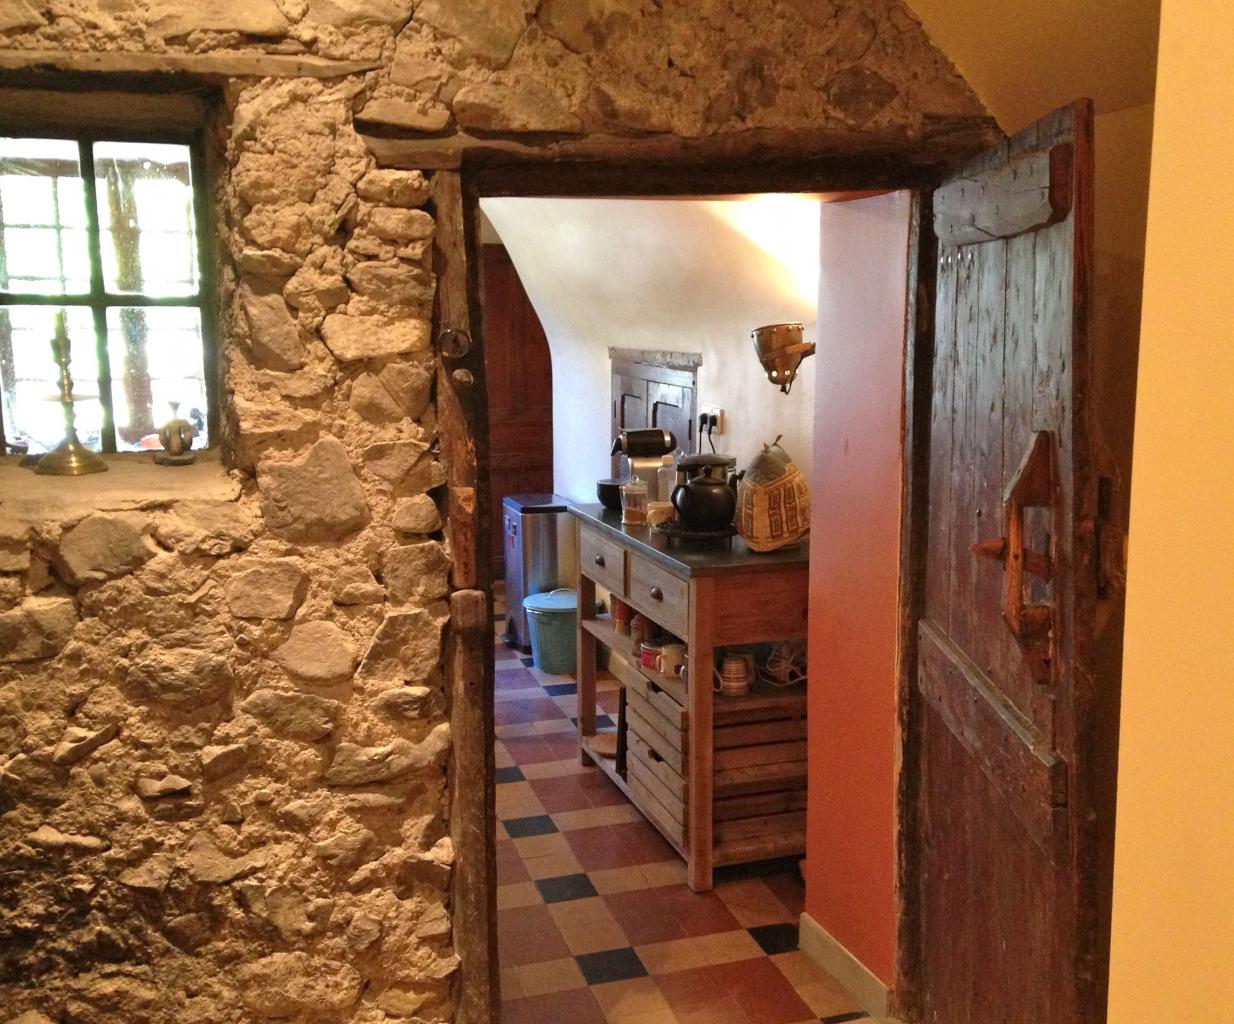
(773, 501)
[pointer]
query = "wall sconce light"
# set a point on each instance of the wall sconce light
(780, 349)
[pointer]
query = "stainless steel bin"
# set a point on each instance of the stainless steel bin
(541, 553)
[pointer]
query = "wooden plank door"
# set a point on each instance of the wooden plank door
(519, 372)
(1011, 806)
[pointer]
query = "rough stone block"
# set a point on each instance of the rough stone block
(220, 760)
(291, 984)
(151, 875)
(205, 862)
(409, 702)
(104, 546)
(37, 628)
(389, 187)
(374, 337)
(355, 584)
(313, 287)
(354, 765)
(314, 497)
(15, 14)
(77, 744)
(171, 18)
(392, 283)
(406, 647)
(488, 29)
(418, 514)
(394, 224)
(53, 839)
(410, 384)
(14, 545)
(298, 716)
(393, 460)
(416, 572)
(272, 264)
(522, 105)
(274, 338)
(183, 677)
(267, 588)
(205, 527)
(318, 652)
(370, 400)
(149, 788)
(394, 13)
(419, 115)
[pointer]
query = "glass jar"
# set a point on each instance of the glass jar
(634, 503)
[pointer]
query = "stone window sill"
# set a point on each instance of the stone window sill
(132, 481)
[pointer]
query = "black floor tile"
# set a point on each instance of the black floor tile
(512, 774)
(536, 825)
(566, 887)
(527, 662)
(611, 965)
(561, 689)
(774, 938)
(841, 1018)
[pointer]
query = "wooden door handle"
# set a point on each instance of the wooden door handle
(1034, 485)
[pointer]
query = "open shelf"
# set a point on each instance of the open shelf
(762, 696)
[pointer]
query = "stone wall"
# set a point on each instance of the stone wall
(224, 731)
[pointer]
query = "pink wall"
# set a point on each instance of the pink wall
(854, 568)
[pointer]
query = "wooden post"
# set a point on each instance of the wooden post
(463, 430)
(701, 779)
(472, 810)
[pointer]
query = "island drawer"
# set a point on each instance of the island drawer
(603, 560)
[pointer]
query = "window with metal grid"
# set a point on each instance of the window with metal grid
(109, 231)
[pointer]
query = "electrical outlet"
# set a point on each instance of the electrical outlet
(717, 417)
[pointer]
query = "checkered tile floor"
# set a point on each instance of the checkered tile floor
(595, 922)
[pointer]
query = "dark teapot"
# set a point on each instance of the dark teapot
(704, 498)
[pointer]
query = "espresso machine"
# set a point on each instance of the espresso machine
(645, 448)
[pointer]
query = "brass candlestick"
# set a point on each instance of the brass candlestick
(71, 457)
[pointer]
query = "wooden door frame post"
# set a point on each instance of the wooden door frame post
(462, 417)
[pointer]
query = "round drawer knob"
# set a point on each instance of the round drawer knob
(657, 594)
(600, 560)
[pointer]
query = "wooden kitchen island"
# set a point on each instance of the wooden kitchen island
(723, 778)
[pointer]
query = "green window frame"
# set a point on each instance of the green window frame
(99, 299)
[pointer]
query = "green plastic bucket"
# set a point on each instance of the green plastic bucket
(551, 618)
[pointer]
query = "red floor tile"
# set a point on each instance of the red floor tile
(567, 793)
(577, 1006)
(703, 995)
(700, 913)
(528, 935)
(516, 678)
(755, 987)
(509, 864)
(529, 749)
(523, 712)
(643, 918)
(619, 846)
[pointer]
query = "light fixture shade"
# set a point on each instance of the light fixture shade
(780, 349)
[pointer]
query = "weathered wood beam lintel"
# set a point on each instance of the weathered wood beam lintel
(205, 65)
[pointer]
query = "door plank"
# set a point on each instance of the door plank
(938, 593)
(1002, 743)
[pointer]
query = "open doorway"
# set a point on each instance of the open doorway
(597, 915)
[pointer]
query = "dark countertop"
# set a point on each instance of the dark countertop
(691, 558)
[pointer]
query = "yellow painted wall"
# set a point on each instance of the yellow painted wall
(1173, 942)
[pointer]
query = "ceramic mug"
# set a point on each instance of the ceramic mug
(670, 659)
(649, 653)
(734, 674)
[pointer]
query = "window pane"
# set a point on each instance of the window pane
(157, 358)
(42, 218)
(30, 379)
(146, 228)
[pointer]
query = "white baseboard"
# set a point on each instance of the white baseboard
(830, 955)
